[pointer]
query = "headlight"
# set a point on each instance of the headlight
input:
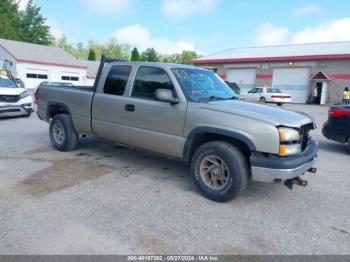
(288, 134)
(23, 95)
(289, 141)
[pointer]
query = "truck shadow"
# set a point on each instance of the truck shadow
(156, 167)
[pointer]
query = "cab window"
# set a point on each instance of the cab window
(116, 80)
(148, 80)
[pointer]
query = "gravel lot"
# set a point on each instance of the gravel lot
(107, 199)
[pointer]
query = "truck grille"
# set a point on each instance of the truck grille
(8, 98)
(304, 135)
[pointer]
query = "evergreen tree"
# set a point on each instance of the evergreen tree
(32, 26)
(135, 55)
(92, 55)
(9, 20)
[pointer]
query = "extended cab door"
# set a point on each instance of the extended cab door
(150, 124)
(108, 103)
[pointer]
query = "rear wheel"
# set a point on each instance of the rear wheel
(220, 171)
(279, 104)
(62, 133)
(263, 100)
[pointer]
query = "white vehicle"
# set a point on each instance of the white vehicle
(268, 95)
(14, 100)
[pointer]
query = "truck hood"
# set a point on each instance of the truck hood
(268, 114)
(11, 91)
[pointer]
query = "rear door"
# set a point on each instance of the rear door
(150, 124)
(108, 103)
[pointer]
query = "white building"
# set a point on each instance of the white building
(34, 64)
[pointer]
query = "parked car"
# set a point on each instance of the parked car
(268, 95)
(188, 113)
(14, 100)
(337, 127)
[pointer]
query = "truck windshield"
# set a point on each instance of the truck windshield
(7, 83)
(202, 85)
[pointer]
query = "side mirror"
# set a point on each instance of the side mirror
(165, 95)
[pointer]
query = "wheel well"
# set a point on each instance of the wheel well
(209, 137)
(56, 109)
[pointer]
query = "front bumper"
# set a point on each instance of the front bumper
(24, 106)
(267, 169)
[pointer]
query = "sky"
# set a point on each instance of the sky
(206, 26)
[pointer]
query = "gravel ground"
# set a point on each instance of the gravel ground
(107, 199)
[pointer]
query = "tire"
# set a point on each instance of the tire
(349, 144)
(263, 100)
(279, 104)
(236, 171)
(68, 139)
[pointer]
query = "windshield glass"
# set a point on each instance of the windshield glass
(273, 90)
(202, 85)
(7, 83)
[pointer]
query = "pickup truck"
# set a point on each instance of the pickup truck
(184, 112)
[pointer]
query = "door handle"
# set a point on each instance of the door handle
(130, 108)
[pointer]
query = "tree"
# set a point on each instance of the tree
(92, 55)
(186, 57)
(135, 55)
(9, 20)
(113, 49)
(32, 26)
(150, 55)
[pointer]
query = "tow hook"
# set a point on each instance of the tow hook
(295, 181)
(312, 170)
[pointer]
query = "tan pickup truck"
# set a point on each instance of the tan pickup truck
(188, 113)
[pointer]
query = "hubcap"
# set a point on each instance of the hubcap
(214, 172)
(58, 133)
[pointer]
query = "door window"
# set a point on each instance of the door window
(148, 80)
(116, 80)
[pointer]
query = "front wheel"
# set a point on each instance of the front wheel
(62, 133)
(220, 171)
(279, 104)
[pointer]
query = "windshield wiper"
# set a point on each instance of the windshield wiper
(213, 98)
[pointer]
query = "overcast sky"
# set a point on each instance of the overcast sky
(206, 26)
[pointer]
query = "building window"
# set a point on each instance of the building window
(70, 78)
(37, 76)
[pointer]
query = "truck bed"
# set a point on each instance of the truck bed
(78, 100)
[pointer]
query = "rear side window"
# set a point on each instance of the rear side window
(148, 80)
(116, 80)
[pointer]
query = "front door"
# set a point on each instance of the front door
(150, 124)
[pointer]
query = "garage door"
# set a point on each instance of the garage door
(294, 81)
(35, 77)
(244, 78)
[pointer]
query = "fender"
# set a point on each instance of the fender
(55, 103)
(212, 130)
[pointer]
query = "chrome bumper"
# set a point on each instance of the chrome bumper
(262, 174)
(270, 169)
